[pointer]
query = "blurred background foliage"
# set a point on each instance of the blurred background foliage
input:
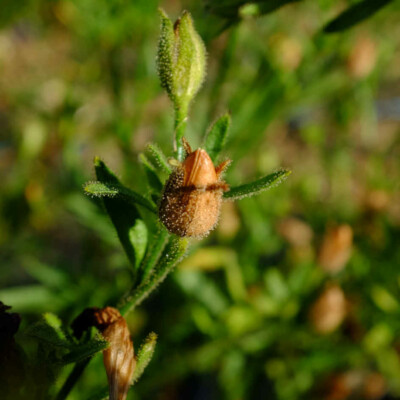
(296, 293)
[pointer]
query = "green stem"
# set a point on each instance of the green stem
(172, 254)
(73, 377)
(180, 127)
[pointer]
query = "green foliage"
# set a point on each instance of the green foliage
(260, 185)
(355, 14)
(216, 137)
(234, 318)
(144, 355)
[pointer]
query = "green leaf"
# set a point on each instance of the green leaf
(138, 236)
(161, 161)
(48, 276)
(123, 214)
(144, 355)
(113, 190)
(154, 253)
(216, 136)
(152, 177)
(255, 187)
(85, 350)
(49, 331)
(355, 14)
(100, 394)
(31, 298)
(172, 254)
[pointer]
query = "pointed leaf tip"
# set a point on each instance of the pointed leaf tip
(257, 186)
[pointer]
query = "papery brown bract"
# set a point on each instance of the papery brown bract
(119, 359)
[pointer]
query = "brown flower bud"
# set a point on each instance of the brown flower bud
(329, 310)
(335, 250)
(192, 196)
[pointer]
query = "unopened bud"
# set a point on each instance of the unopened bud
(329, 310)
(336, 248)
(181, 60)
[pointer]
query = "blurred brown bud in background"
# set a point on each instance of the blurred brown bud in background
(329, 310)
(287, 51)
(295, 231)
(335, 250)
(362, 58)
(299, 235)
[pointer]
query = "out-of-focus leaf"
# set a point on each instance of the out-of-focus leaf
(30, 298)
(255, 187)
(204, 289)
(48, 276)
(231, 11)
(216, 136)
(355, 14)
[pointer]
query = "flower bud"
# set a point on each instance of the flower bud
(192, 197)
(181, 60)
(119, 359)
(336, 248)
(329, 310)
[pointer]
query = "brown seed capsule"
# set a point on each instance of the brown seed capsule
(192, 196)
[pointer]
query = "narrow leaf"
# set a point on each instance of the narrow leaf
(152, 177)
(216, 136)
(144, 355)
(159, 157)
(85, 350)
(355, 14)
(123, 214)
(153, 254)
(252, 188)
(110, 189)
(138, 236)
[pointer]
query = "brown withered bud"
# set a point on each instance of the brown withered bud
(336, 248)
(329, 310)
(119, 358)
(192, 197)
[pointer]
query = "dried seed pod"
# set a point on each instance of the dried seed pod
(192, 196)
